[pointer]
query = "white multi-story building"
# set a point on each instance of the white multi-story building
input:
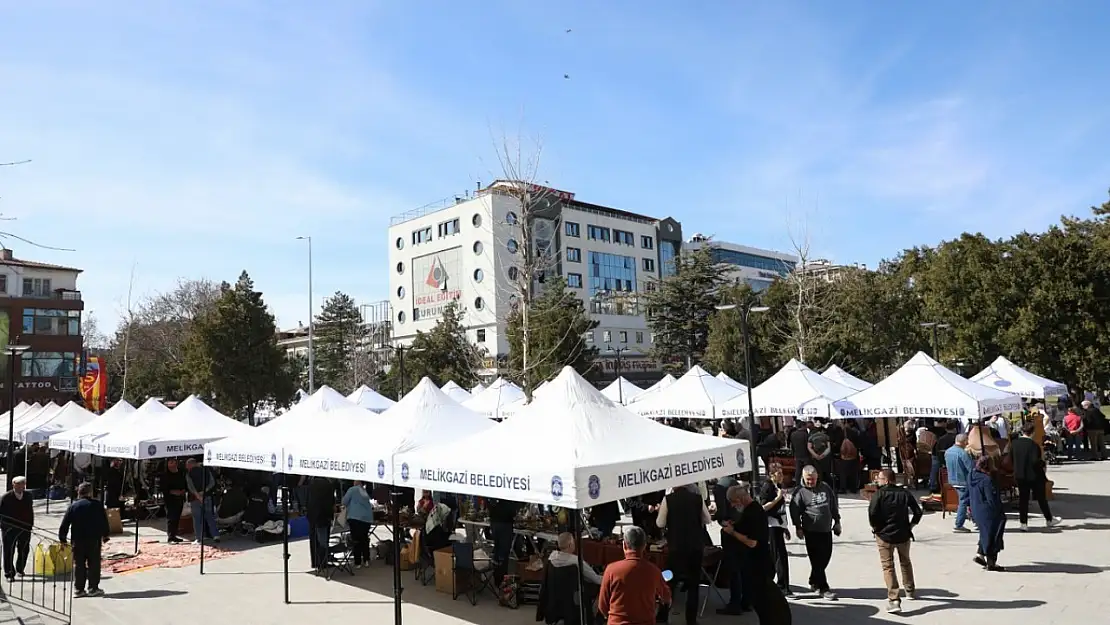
(754, 266)
(468, 250)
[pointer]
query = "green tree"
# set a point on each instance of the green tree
(557, 337)
(681, 306)
(338, 342)
(442, 354)
(233, 354)
(725, 349)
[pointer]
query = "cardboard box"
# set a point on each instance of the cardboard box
(445, 578)
(115, 524)
(406, 560)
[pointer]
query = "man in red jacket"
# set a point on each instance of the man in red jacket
(630, 587)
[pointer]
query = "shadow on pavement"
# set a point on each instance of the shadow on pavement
(1073, 505)
(911, 609)
(879, 594)
(1057, 567)
(153, 593)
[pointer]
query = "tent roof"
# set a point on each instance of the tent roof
(370, 399)
(20, 408)
(262, 447)
(836, 374)
(81, 439)
(793, 391)
(924, 388)
(426, 415)
(510, 410)
(498, 395)
(72, 415)
(478, 388)
(574, 448)
(722, 376)
(621, 390)
(120, 441)
(184, 430)
(456, 392)
(1006, 376)
(693, 396)
(33, 415)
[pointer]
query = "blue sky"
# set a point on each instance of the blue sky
(197, 139)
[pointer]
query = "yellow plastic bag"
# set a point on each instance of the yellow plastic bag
(53, 560)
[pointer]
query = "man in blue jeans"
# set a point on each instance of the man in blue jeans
(939, 448)
(201, 484)
(960, 464)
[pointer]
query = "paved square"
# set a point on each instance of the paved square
(1056, 577)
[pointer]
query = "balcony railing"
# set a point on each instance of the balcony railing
(60, 294)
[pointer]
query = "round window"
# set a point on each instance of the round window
(476, 220)
(513, 273)
(400, 267)
(512, 246)
(479, 275)
(401, 292)
(479, 304)
(401, 317)
(478, 247)
(510, 218)
(400, 242)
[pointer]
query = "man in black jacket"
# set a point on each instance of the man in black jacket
(893, 513)
(174, 488)
(1094, 424)
(89, 520)
(17, 517)
(321, 515)
(684, 516)
(1029, 473)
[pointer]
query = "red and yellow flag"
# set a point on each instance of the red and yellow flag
(94, 385)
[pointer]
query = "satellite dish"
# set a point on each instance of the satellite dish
(668, 575)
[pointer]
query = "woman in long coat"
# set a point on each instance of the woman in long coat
(986, 509)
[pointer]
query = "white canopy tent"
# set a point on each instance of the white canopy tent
(370, 399)
(20, 408)
(83, 439)
(478, 388)
(1006, 376)
(593, 451)
(733, 383)
(696, 395)
(840, 376)
(456, 392)
(924, 388)
(31, 421)
(498, 395)
(121, 441)
(72, 415)
(183, 432)
(30, 416)
(425, 416)
(508, 411)
(793, 391)
(622, 391)
(260, 448)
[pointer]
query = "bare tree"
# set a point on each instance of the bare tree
(531, 226)
(129, 322)
(807, 323)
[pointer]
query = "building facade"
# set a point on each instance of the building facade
(469, 250)
(756, 267)
(40, 308)
(375, 343)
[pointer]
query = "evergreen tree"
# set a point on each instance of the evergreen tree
(725, 348)
(557, 337)
(681, 306)
(233, 355)
(338, 340)
(442, 354)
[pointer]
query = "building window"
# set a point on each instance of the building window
(36, 287)
(400, 242)
(51, 322)
(481, 335)
(448, 228)
(479, 275)
(513, 273)
(3, 283)
(606, 337)
(400, 292)
(572, 229)
(510, 218)
(589, 336)
(479, 304)
(476, 220)
(647, 242)
(624, 336)
(743, 259)
(649, 286)
(478, 248)
(622, 237)
(48, 364)
(422, 235)
(648, 264)
(401, 317)
(574, 280)
(612, 272)
(597, 233)
(667, 253)
(639, 337)
(574, 255)
(512, 246)
(400, 267)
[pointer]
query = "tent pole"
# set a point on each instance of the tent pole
(581, 588)
(135, 510)
(396, 555)
(285, 539)
(203, 515)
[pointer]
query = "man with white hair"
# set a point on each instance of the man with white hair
(17, 517)
(566, 555)
(816, 517)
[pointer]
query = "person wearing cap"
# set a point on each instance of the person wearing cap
(17, 517)
(1094, 423)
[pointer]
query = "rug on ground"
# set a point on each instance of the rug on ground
(155, 554)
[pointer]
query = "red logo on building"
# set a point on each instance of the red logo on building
(437, 276)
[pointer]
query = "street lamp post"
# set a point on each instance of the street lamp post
(745, 310)
(617, 368)
(311, 323)
(936, 326)
(12, 351)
